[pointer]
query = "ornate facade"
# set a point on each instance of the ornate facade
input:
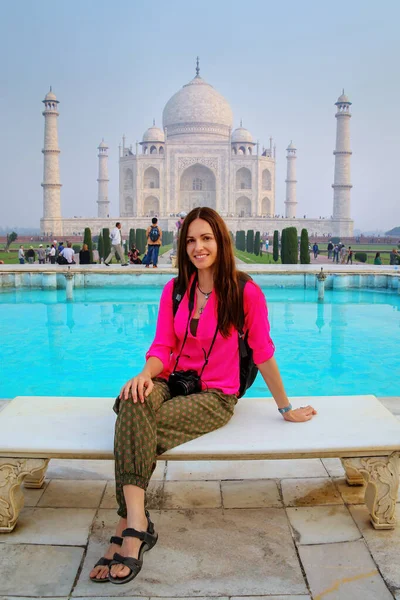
(198, 159)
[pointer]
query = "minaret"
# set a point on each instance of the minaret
(291, 202)
(103, 209)
(51, 222)
(342, 186)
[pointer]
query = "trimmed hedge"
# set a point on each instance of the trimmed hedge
(289, 248)
(101, 247)
(132, 238)
(250, 241)
(241, 240)
(361, 257)
(87, 239)
(275, 246)
(257, 242)
(304, 252)
(106, 242)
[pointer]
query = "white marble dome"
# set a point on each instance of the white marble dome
(153, 134)
(242, 135)
(51, 96)
(198, 109)
(343, 99)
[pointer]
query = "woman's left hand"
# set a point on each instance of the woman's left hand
(299, 415)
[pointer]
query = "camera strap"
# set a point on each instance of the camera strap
(191, 307)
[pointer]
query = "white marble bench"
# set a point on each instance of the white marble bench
(357, 429)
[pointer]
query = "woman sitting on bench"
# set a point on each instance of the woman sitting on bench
(191, 382)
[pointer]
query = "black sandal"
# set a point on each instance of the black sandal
(149, 539)
(105, 562)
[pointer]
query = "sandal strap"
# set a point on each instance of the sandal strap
(116, 540)
(144, 536)
(150, 527)
(128, 561)
(103, 562)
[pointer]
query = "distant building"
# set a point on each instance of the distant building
(197, 159)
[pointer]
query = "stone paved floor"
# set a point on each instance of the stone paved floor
(281, 530)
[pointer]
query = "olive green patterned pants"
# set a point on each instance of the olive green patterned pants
(144, 431)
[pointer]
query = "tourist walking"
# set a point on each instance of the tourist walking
(330, 249)
(315, 250)
(30, 255)
(41, 254)
(154, 239)
(349, 255)
(377, 259)
(116, 246)
(47, 252)
(336, 254)
(190, 384)
(52, 255)
(342, 254)
(84, 255)
(21, 255)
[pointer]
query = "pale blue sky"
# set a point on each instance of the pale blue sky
(281, 65)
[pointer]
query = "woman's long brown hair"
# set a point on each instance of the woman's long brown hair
(225, 274)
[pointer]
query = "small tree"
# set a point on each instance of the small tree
(11, 237)
(141, 240)
(304, 252)
(241, 240)
(275, 246)
(132, 238)
(101, 247)
(257, 241)
(106, 242)
(292, 246)
(283, 246)
(87, 239)
(250, 241)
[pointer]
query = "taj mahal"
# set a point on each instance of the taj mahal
(197, 159)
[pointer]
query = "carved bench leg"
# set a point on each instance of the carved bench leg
(353, 476)
(36, 480)
(382, 475)
(12, 473)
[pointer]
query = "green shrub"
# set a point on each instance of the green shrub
(132, 238)
(87, 239)
(257, 243)
(283, 246)
(101, 247)
(250, 241)
(76, 248)
(106, 242)
(241, 240)
(361, 257)
(292, 246)
(304, 252)
(275, 246)
(141, 240)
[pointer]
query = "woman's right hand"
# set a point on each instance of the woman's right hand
(140, 387)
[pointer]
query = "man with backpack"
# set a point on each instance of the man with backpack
(154, 238)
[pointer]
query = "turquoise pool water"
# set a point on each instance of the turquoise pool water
(347, 345)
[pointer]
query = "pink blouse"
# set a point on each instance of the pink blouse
(222, 371)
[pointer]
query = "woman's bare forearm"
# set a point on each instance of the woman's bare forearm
(270, 372)
(153, 367)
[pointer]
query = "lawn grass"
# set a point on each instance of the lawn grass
(264, 259)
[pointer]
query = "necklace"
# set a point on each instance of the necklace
(206, 294)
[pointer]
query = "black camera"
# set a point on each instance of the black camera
(183, 383)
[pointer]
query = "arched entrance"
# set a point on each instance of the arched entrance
(243, 206)
(266, 207)
(197, 188)
(151, 206)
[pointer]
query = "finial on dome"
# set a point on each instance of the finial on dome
(343, 91)
(51, 89)
(197, 67)
(241, 123)
(154, 122)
